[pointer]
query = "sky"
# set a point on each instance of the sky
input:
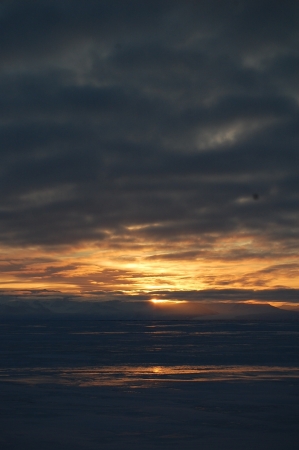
(150, 149)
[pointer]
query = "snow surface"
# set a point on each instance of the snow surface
(51, 399)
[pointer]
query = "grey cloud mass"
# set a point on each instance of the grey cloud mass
(161, 115)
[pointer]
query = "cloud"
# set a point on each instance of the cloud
(128, 126)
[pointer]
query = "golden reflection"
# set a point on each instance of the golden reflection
(146, 376)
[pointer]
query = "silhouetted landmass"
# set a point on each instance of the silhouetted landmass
(139, 310)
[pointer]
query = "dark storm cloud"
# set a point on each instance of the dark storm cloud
(167, 114)
(234, 295)
(39, 27)
(205, 295)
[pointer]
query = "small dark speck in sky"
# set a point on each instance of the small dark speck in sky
(255, 196)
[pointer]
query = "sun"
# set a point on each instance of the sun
(158, 301)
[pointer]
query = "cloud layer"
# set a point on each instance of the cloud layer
(134, 135)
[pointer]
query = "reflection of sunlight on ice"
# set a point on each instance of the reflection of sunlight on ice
(144, 376)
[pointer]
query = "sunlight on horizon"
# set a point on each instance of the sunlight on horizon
(136, 264)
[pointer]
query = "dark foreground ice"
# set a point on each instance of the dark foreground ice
(149, 385)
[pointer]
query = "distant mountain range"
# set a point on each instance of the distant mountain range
(249, 310)
(117, 309)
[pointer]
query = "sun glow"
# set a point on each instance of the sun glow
(141, 265)
(165, 302)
